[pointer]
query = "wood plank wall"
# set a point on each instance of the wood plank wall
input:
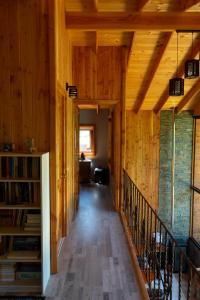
(142, 152)
(197, 109)
(117, 154)
(196, 203)
(97, 75)
(64, 114)
(35, 64)
(24, 75)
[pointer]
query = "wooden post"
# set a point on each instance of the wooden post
(123, 118)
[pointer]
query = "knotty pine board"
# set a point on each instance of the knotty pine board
(142, 152)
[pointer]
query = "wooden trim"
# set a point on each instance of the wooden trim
(98, 102)
(95, 5)
(164, 21)
(189, 55)
(123, 119)
(52, 131)
(195, 88)
(133, 254)
(151, 73)
(130, 50)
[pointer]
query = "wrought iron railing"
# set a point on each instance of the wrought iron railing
(168, 272)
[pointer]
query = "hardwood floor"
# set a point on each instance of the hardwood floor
(94, 263)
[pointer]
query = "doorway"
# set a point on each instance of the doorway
(95, 146)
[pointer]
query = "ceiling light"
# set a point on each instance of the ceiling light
(176, 85)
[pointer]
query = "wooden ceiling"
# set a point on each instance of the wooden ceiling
(148, 29)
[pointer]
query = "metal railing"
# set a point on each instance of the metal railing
(168, 272)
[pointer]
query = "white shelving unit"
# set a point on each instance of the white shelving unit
(20, 198)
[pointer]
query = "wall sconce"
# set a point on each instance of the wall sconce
(72, 90)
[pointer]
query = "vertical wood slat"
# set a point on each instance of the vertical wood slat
(142, 152)
(102, 84)
(24, 85)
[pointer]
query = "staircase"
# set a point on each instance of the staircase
(167, 271)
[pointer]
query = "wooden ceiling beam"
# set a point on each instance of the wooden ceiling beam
(179, 73)
(186, 4)
(95, 5)
(98, 102)
(141, 4)
(151, 72)
(163, 21)
(130, 50)
(195, 88)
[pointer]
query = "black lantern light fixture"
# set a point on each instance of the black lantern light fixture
(192, 66)
(72, 90)
(176, 85)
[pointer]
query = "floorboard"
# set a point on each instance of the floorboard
(94, 263)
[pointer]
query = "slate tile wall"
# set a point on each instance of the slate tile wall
(182, 179)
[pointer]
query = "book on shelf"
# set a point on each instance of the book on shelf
(12, 193)
(7, 271)
(27, 271)
(24, 243)
(23, 255)
(24, 203)
(33, 222)
(20, 167)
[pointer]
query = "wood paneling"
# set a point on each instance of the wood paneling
(63, 158)
(84, 70)
(117, 154)
(109, 70)
(97, 75)
(148, 28)
(142, 152)
(197, 107)
(196, 182)
(24, 77)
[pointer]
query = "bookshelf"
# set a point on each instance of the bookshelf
(24, 223)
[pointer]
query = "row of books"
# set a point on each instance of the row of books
(23, 247)
(20, 167)
(33, 222)
(7, 271)
(20, 218)
(19, 192)
(20, 271)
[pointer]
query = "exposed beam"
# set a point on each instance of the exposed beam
(164, 21)
(186, 4)
(141, 4)
(179, 73)
(93, 107)
(95, 41)
(95, 5)
(151, 72)
(95, 102)
(130, 50)
(195, 88)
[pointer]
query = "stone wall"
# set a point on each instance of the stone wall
(182, 171)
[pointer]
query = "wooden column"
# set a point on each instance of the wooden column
(52, 73)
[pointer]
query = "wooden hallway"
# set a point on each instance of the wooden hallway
(94, 263)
